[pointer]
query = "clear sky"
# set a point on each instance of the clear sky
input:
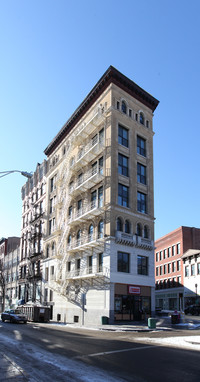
(54, 51)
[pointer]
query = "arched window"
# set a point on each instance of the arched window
(127, 226)
(146, 232)
(142, 118)
(139, 230)
(90, 232)
(100, 229)
(124, 108)
(119, 225)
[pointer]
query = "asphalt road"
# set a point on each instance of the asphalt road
(59, 353)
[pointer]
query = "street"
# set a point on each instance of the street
(47, 352)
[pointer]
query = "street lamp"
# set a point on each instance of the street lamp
(24, 173)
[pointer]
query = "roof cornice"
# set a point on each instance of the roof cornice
(111, 75)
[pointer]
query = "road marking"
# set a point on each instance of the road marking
(116, 351)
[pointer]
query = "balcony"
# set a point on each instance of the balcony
(88, 153)
(88, 211)
(87, 181)
(87, 242)
(88, 272)
(128, 239)
(125, 238)
(34, 275)
(88, 127)
(144, 243)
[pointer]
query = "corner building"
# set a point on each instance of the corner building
(98, 246)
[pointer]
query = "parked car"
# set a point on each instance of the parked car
(14, 315)
(193, 309)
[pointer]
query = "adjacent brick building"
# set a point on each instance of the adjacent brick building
(169, 270)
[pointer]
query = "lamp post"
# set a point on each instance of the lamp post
(24, 173)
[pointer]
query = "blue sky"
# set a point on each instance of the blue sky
(53, 53)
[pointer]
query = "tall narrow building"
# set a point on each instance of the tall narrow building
(98, 245)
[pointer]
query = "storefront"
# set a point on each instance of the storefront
(132, 302)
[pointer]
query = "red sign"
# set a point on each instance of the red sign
(133, 289)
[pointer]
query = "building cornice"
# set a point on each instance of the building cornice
(111, 75)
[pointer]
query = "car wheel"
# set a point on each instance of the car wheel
(25, 322)
(3, 319)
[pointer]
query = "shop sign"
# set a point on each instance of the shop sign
(133, 289)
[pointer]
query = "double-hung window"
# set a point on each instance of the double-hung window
(141, 146)
(123, 195)
(122, 164)
(142, 202)
(141, 173)
(122, 136)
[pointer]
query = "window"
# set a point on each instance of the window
(123, 262)
(198, 268)
(173, 250)
(90, 264)
(123, 195)
(90, 232)
(124, 108)
(141, 146)
(119, 225)
(69, 239)
(101, 135)
(127, 226)
(160, 255)
(94, 168)
(178, 249)
(157, 269)
(80, 179)
(178, 265)
(100, 196)
(123, 136)
(165, 269)
(187, 271)
(79, 207)
(122, 165)
(139, 230)
(142, 265)
(130, 113)
(101, 165)
(169, 252)
(78, 237)
(146, 232)
(169, 267)
(161, 270)
(70, 212)
(141, 202)
(192, 269)
(100, 262)
(142, 118)
(93, 199)
(147, 124)
(100, 229)
(157, 254)
(173, 266)
(165, 253)
(118, 105)
(141, 173)
(78, 266)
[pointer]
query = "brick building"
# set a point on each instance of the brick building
(169, 266)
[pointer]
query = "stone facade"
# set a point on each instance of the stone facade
(99, 229)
